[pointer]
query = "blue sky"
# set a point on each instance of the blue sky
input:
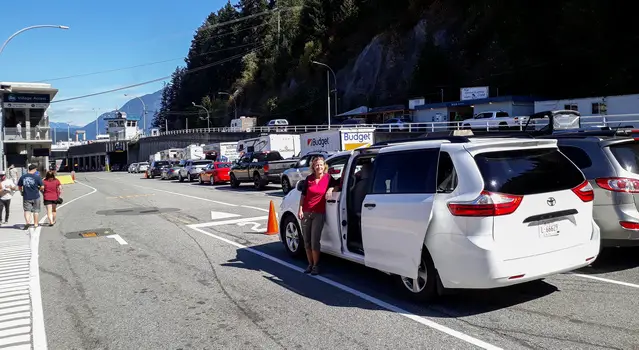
(102, 36)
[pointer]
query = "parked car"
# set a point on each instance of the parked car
(255, 167)
(610, 162)
(299, 170)
(215, 173)
(191, 169)
(172, 172)
(461, 212)
(141, 167)
(156, 168)
(132, 167)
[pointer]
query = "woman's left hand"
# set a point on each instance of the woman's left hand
(329, 194)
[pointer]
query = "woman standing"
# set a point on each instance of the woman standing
(317, 188)
(52, 193)
(8, 188)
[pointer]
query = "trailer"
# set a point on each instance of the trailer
(221, 151)
(288, 145)
(337, 140)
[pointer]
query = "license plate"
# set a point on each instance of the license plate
(548, 229)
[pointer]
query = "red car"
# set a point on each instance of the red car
(215, 173)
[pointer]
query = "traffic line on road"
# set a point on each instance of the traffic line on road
(118, 238)
(15, 301)
(424, 321)
(631, 285)
(217, 215)
(187, 196)
(227, 222)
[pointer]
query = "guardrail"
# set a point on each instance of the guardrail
(490, 125)
(26, 134)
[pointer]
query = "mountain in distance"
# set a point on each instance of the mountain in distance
(132, 108)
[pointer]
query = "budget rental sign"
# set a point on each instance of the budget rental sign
(321, 141)
(355, 139)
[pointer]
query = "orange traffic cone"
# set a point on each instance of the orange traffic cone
(272, 227)
(145, 175)
(73, 175)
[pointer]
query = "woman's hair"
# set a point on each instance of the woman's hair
(50, 175)
(316, 159)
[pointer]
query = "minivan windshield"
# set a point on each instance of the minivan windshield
(627, 154)
(528, 171)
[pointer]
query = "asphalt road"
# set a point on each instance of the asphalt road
(163, 284)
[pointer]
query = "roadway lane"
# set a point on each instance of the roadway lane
(172, 286)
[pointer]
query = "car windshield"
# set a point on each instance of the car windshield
(627, 154)
(223, 165)
(201, 164)
(159, 164)
(528, 171)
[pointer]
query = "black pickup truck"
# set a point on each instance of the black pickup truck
(255, 167)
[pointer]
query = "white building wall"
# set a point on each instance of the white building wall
(514, 109)
(430, 115)
(622, 104)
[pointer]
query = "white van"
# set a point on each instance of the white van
(456, 213)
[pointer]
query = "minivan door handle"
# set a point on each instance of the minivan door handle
(370, 205)
(331, 201)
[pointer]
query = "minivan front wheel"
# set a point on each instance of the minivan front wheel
(424, 287)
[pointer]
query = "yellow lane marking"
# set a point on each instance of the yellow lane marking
(132, 196)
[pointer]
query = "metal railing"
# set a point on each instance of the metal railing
(26, 134)
(489, 125)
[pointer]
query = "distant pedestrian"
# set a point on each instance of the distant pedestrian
(14, 173)
(30, 185)
(8, 188)
(52, 195)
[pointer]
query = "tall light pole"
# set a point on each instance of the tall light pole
(97, 122)
(334, 81)
(143, 112)
(29, 28)
(234, 101)
(208, 117)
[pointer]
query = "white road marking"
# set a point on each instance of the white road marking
(15, 316)
(632, 285)
(15, 340)
(118, 238)
(216, 215)
(228, 222)
(255, 226)
(362, 295)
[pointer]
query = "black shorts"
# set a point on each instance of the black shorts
(46, 202)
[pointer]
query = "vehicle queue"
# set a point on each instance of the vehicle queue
(453, 210)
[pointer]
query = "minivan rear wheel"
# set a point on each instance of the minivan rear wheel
(424, 287)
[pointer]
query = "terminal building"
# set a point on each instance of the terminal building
(26, 135)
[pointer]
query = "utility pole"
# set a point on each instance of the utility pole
(328, 85)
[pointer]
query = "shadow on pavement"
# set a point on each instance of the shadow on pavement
(379, 285)
(613, 260)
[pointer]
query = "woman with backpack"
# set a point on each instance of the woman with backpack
(52, 195)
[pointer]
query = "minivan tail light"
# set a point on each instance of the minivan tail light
(618, 184)
(584, 191)
(265, 167)
(487, 204)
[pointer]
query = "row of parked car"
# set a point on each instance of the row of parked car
(460, 211)
(478, 211)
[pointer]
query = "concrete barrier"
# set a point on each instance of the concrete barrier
(65, 179)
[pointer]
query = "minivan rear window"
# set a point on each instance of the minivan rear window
(627, 154)
(528, 171)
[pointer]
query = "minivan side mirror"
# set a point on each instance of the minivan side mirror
(300, 186)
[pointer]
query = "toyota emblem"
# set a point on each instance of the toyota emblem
(551, 201)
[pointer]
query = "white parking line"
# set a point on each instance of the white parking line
(227, 222)
(216, 215)
(632, 285)
(118, 238)
(188, 196)
(362, 295)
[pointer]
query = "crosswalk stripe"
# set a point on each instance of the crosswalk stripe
(14, 298)
(15, 323)
(15, 340)
(14, 309)
(15, 316)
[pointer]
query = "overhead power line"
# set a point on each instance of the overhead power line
(228, 59)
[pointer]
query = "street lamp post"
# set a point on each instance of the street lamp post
(97, 122)
(29, 28)
(208, 119)
(143, 112)
(334, 81)
(234, 101)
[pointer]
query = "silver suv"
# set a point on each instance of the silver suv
(610, 161)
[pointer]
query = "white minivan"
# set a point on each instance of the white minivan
(456, 212)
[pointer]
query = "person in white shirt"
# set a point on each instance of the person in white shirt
(6, 193)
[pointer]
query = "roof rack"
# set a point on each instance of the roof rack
(452, 136)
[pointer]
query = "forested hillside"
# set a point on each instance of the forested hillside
(384, 52)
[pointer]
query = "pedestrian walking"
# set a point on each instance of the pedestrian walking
(30, 186)
(14, 173)
(8, 188)
(52, 196)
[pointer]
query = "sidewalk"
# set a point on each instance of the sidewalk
(16, 288)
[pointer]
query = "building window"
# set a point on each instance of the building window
(571, 107)
(599, 108)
